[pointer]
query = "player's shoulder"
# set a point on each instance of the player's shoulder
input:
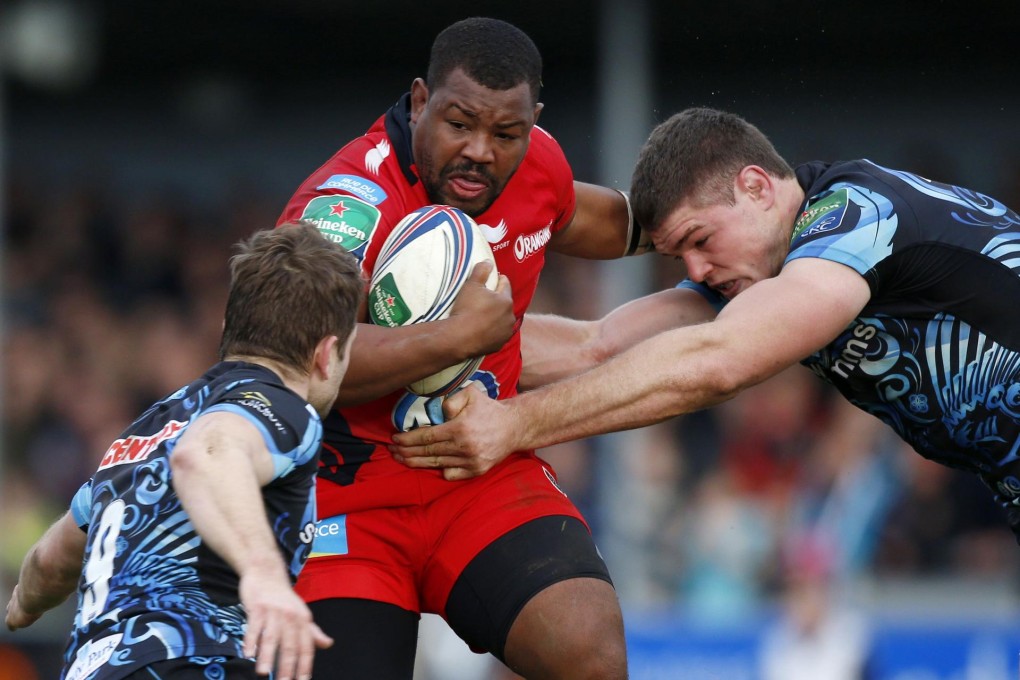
(357, 168)
(543, 147)
(361, 188)
(260, 392)
(544, 165)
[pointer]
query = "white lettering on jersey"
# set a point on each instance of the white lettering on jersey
(138, 447)
(92, 656)
(527, 245)
(854, 351)
(307, 534)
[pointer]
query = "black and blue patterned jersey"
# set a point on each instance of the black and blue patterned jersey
(935, 353)
(151, 590)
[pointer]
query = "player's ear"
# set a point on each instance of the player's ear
(419, 98)
(326, 356)
(538, 109)
(756, 183)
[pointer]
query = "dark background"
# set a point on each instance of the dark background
(206, 94)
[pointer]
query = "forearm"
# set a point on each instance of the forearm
(44, 586)
(623, 393)
(50, 571)
(555, 347)
(692, 366)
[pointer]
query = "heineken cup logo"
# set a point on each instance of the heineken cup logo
(342, 219)
(386, 306)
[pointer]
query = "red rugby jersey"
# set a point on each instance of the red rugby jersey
(356, 198)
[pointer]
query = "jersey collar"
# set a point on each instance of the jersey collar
(398, 129)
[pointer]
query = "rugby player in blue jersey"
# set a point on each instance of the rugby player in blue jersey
(185, 543)
(900, 291)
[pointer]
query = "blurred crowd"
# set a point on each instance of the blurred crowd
(110, 302)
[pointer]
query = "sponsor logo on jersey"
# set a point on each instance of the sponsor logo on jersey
(258, 396)
(854, 350)
(376, 155)
(346, 220)
(822, 215)
(330, 537)
(359, 186)
(527, 245)
(494, 234)
(135, 448)
(262, 407)
(92, 656)
(385, 305)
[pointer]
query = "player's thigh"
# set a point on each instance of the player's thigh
(371, 640)
(199, 668)
(498, 584)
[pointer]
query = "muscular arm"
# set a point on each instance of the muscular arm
(49, 573)
(219, 466)
(771, 325)
(386, 359)
(555, 347)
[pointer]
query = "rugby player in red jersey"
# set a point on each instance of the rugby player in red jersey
(505, 558)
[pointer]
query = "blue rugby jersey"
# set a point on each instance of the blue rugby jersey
(150, 588)
(935, 353)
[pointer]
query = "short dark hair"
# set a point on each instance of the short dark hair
(290, 288)
(492, 52)
(695, 155)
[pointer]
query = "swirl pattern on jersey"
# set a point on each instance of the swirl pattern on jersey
(151, 590)
(931, 354)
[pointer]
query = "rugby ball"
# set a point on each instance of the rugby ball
(422, 266)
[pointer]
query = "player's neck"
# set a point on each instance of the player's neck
(292, 378)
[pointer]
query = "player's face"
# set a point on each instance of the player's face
(469, 140)
(726, 247)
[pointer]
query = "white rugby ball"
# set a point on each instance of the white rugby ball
(423, 264)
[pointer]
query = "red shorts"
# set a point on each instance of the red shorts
(411, 556)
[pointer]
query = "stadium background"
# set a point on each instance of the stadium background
(139, 140)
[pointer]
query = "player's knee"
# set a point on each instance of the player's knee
(606, 662)
(578, 637)
(600, 651)
(578, 657)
